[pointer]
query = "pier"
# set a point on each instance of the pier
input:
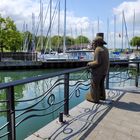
(115, 118)
(118, 118)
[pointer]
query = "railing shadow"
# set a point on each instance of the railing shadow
(88, 118)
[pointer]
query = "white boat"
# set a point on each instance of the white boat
(133, 57)
(69, 55)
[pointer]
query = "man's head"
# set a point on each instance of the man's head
(98, 41)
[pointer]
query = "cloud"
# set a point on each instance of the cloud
(129, 28)
(130, 9)
(21, 12)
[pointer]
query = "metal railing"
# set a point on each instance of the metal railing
(131, 65)
(63, 81)
(63, 78)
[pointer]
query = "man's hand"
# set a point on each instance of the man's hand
(89, 64)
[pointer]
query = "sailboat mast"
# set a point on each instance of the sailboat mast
(92, 30)
(58, 24)
(98, 25)
(64, 38)
(122, 29)
(134, 24)
(50, 25)
(126, 30)
(107, 30)
(41, 24)
(81, 38)
(33, 32)
(114, 32)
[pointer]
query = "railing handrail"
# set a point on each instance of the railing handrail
(41, 77)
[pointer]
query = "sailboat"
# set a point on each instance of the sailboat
(54, 55)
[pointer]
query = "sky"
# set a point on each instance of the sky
(83, 17)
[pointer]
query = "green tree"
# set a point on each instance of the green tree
(27, 41)
(14, 40)
(2, 33)
(69, 41)
(135, 42)
(81, 40)
(57, 41)
(38, 43)
(10, 38)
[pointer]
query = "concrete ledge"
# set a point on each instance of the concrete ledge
(13, 65)
(19, 63)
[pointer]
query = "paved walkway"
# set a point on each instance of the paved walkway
(115, 120)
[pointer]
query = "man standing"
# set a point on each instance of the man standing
(99, 69)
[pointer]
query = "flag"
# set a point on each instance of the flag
(119, 35)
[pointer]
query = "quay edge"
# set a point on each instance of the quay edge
(17, 65)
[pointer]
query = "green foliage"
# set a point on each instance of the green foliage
(2, 32)
(14, 40)
(57, 41)
(27, 36)
(135, 42)
(38, 42)
(10, 38)
(69, 41)
(81, 39)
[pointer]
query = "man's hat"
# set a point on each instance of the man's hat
(99, 39)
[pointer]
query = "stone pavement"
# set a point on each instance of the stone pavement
(117, 118)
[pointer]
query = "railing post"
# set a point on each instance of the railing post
(137, 75)
(66, 94)
(107, 80)
(11, 113)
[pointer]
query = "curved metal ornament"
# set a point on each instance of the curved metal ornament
(51, 99)
(77, 93)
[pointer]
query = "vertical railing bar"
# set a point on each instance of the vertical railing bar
(137, 75)
(107, 80)
(11, 113)
(66, 94)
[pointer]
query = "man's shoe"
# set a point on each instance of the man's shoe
(102, 98)
(90, 98)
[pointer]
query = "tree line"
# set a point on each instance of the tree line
(12, 40)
